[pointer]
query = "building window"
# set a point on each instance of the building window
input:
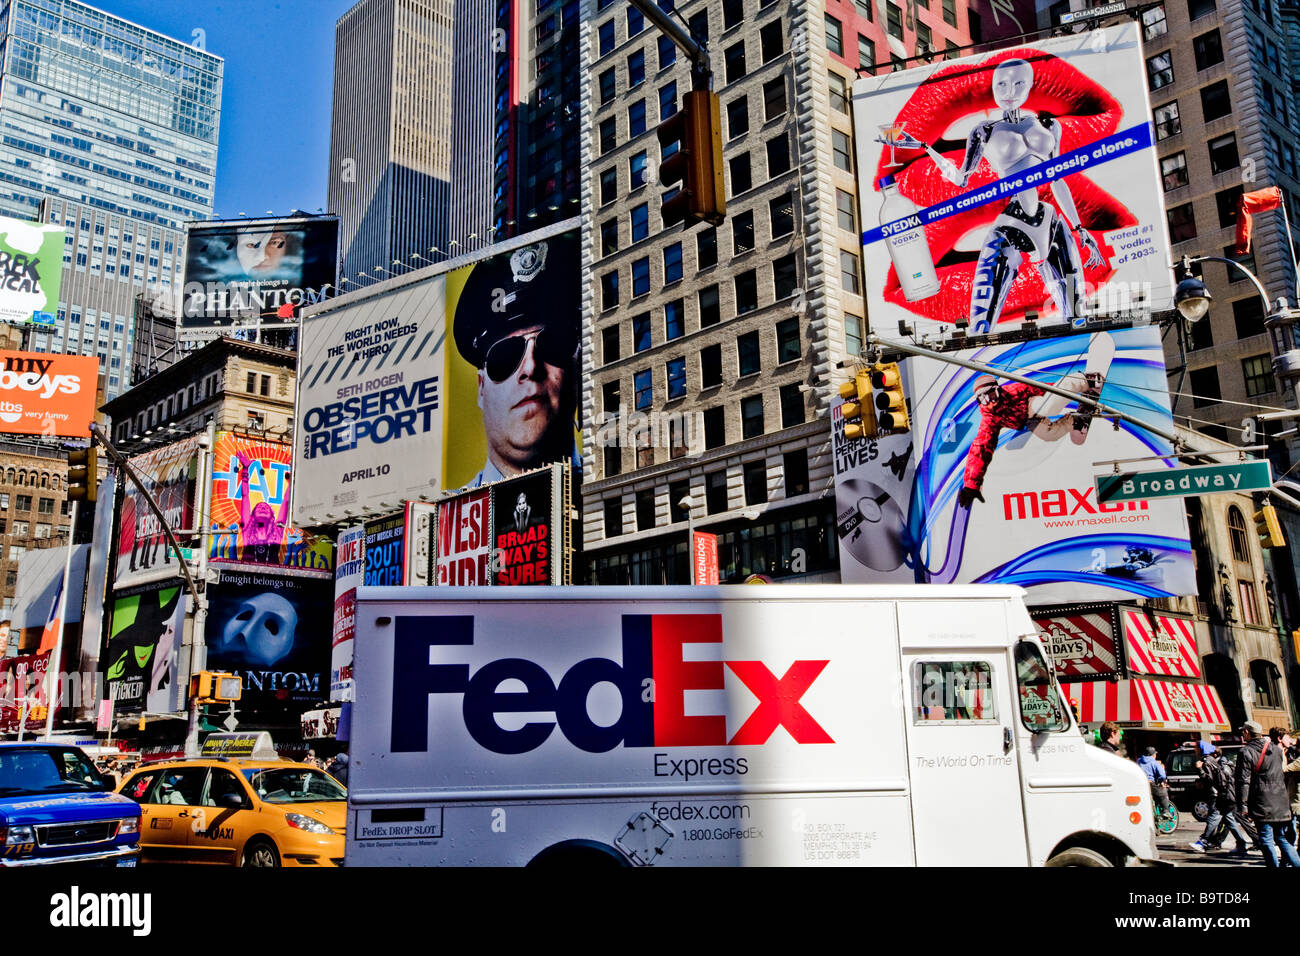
(608, 135)
(613, 460)
(710, 310)
(641, 277)
(636, 169)
(1215, 101)
(45, 506)
(667, 52)
(772, 39)
(1205, 386)
(711, 366)
(612, 394)
(715, 492)
(645, 509)
(733, 11)
(1227, 200)
(893, 20)
(636, 69)
(1248, 315)
(1160, 70)
(609, 237)
(1199, 8)
(787, 340)
(1182, 223)
(635, 22)
(755, 479)
(609, 341)
(738, 117)
(785, 276)
(792, 412)
(667, 100)
(672, 262)
(1249, 602)
(1173, 171)
(849, 272)
(781, 211)
(843, 150)
(1208, 49)
(734, 60)
(1153, 22)
(636, 119)
(796, 470)
(846, 211)
(676, 378)
(834, 35)
(854, 334)
(609, 290)
(644, 385)
(715, 432)
(741, 180)
(608, 86)
(774, 98)
(1265, 676)
(742, 233)
(747, 351)
(866, 54)
(641, 332)
(1258, 373)
(613, 517)
(1223, 153)
(778, 155)
(251, 383)
(839, 93)
(751, 416)
(698, 25)
(24, 503)
(706, 248)
(746, 292)
(674, 320)
(1167, 121)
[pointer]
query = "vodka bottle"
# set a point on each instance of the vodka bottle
(907, 246)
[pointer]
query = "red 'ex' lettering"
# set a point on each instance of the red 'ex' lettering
(778, 702)
(674, 676)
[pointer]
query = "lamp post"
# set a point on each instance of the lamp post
(688, 505)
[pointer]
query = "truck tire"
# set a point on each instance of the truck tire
(579, 854)
(1079, 856)
(260, 852)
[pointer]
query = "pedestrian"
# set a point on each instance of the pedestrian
(338, 769)
(1217, 781)
(1109, 737)
(1291, 778)
(311, 759)
(1261, 792)
(1157, 777)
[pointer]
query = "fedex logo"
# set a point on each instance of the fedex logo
(652, 680)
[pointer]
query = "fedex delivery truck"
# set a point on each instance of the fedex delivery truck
(678, 726)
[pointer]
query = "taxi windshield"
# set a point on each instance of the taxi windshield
(294, 785)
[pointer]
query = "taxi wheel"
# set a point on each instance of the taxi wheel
(260, 853)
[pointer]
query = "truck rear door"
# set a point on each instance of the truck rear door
(960, 713)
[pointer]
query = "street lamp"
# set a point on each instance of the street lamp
(1192, 298)
(688, 505)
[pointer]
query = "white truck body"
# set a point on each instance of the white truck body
(774, 725)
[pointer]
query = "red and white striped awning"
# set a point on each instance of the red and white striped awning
(1167, 649)
(1150, 704)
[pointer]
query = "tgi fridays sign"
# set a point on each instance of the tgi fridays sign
(1080, 641)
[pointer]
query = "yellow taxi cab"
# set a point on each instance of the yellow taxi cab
(254, 810)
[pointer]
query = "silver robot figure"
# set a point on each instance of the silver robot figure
(1025, 227)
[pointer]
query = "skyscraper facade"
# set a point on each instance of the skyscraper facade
(390, 136)
(114, 128)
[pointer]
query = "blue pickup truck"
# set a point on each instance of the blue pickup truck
(55, 807)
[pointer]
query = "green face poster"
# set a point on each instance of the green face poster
(31, 264)
(142, 646)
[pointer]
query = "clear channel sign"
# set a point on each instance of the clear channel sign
(1253, 475)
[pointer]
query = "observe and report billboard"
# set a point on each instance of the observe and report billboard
(1021, 182)
(255, 269)
(993, 483)
(444, 380)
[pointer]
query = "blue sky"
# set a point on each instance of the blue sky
(275, 117)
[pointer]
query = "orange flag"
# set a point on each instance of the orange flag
(51, 632)
(1261, 200)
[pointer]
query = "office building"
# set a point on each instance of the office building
(390, 136)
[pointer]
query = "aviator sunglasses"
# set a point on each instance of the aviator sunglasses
(550, 346)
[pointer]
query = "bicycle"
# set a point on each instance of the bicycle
(1165, 812)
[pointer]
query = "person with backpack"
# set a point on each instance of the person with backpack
(1216, 780)
(1159, 780)
(1261, 792)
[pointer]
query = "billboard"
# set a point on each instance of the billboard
(451, 380)
(420, 543)
(464, 539)
(528, 538)
(23, 692)
(249, 511)
(31, 267)
(994, 481)
(254, 268)
(273, 631)
(348, 576)
(143, 643)
(143, 553)
(385, 565)
(1081, 641)
(46, 393)
(1023, 182)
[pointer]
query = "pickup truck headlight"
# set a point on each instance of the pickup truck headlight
(299, 822)
(129, 825)
(20, 835)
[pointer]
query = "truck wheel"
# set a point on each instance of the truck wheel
(260, 853)
(579, 854)
(1079, 856)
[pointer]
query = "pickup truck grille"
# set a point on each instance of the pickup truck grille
(75, 834)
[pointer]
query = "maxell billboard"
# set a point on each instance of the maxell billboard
(993, 483)
(260, 269)
(454, 379)
(1017, 183)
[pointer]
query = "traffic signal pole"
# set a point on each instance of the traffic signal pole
(701, 71)
(56, 657)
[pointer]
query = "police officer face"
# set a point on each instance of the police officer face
(521, 391)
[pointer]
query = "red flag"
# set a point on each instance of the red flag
(1261, 200)
(285, 311)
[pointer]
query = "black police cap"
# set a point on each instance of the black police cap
(537, 284)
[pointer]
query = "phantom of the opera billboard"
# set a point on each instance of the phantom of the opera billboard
(450, 380)
(994, 481)
(1010, 185)
(255, 270)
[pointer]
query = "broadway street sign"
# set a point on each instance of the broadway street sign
(1255, 475)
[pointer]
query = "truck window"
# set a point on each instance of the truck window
(952, 690)
(1042, 710)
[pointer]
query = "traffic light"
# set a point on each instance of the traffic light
(697, 164)
(215, 686)
(1269, 528)
(891, 403)
(858, 412)
(83, 474)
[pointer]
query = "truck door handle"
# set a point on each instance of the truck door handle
(1006, 740)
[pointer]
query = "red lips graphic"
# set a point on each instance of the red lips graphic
(1086, 112)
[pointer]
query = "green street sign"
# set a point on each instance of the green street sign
(1255, 475)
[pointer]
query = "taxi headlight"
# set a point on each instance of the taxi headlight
(300, 822)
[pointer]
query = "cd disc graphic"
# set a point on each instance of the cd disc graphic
(873, 531)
